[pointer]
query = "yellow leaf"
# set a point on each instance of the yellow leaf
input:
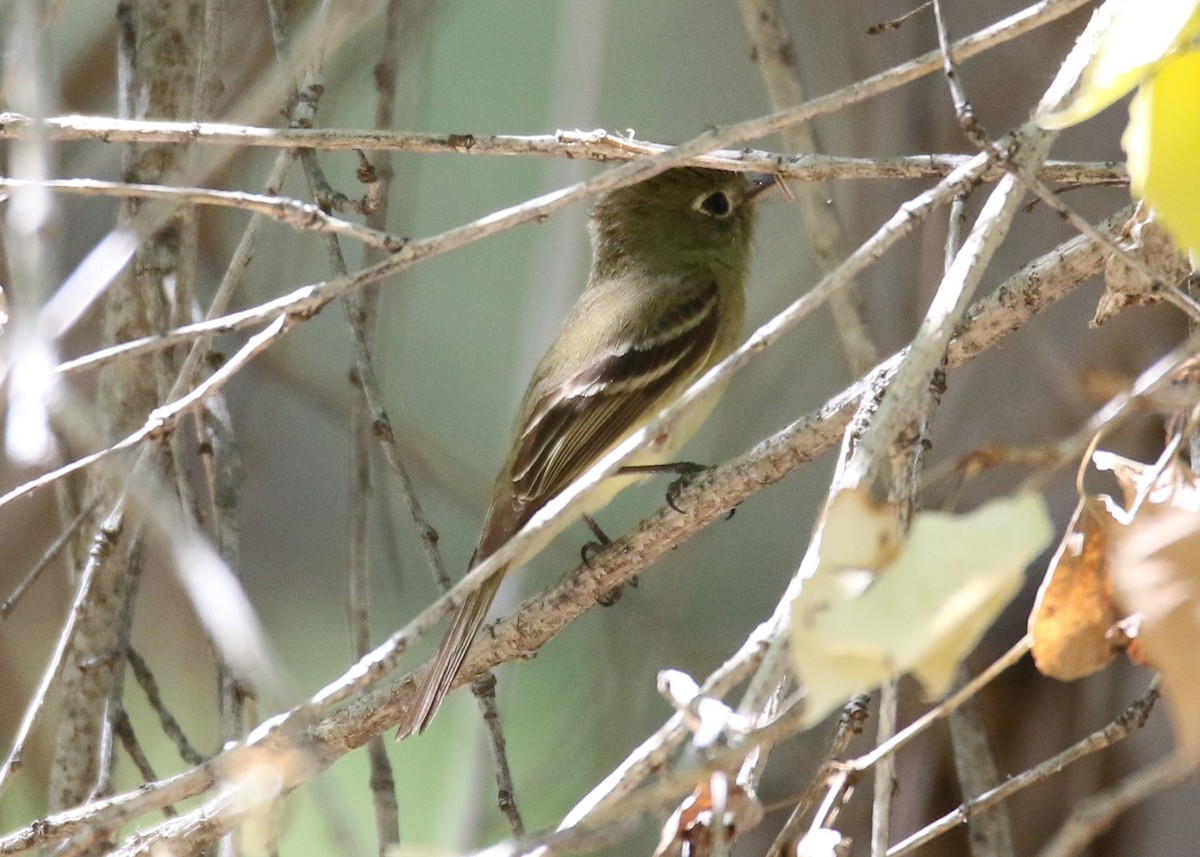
(857, 537)
(1160, 142)
(1124, 41)
(928, 607)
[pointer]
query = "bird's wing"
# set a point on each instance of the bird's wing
(576, 421)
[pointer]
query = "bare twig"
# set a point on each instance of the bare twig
(902, 404)
(292, 212)
(897, 22)
(123, 729)
(164, 419)
(850, 725)
(1130, 720)
(484, 688)
(1095, 814)
(104, 543)
(776, 59)
(170, 726)
(301, 114)
(989, 834)
(885, 772)
(47, 557)
(598, 145)
(382, 782)
(963, 111)
(942, 709)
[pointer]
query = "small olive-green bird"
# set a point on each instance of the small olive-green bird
(664, 303)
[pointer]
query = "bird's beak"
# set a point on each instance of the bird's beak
(757, 183)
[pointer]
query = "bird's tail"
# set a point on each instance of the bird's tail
(449, 658)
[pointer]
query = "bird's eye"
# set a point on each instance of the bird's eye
(714, 204)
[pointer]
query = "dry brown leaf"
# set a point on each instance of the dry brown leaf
(1175, 486)
(1074, 611)
(1155, 570)
(1146, 240)
(689, 830)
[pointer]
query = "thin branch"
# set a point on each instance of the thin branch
(776, 59)
(163, 419)
(942, 709)
(103, 544)
(989, 834)
(292, 212)
(599, 145)
(484, 689)
(1131, 719)
(47, 557)
(301, 113)
(904, 400)
(381, 780)
(885, 772)
(170, 726)
(850, 725)
(897, 22)
(963, 111)
(123, 729)
(1095, 814)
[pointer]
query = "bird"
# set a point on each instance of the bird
(664, 302)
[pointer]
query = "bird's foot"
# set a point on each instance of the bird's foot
(590, 549)
(686, 472)
(606, 599)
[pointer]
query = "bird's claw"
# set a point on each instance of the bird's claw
(688, 472)
(589, 550)
(608, 599)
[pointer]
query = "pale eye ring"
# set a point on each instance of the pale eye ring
(715, 204)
